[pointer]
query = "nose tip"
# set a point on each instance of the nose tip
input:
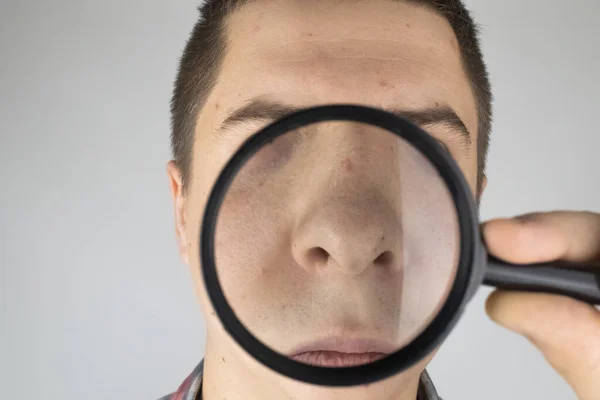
(349, 237)
(351, 259)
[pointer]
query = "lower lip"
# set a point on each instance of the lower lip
(334, 359)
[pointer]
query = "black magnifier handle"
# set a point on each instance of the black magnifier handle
(556, 278)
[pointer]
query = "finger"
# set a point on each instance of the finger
(541, 237)
(566, 331)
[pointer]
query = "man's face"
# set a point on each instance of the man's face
(384, 54)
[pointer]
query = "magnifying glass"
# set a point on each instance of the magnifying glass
(341, 244)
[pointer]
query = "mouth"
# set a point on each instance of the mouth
(342, 352)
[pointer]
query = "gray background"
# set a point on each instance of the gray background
(95, 303)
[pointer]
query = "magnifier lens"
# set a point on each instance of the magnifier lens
(336, 244)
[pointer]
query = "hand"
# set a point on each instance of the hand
(566, 331)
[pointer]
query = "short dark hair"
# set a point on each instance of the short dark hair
(205, 50)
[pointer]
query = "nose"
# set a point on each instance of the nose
(349, 231)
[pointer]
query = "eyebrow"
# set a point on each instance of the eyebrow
(260, 109)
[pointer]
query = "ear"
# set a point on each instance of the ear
(178, 198)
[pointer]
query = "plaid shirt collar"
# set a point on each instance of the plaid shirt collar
(191, 388)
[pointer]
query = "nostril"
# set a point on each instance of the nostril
(385, 259)
(318, 256)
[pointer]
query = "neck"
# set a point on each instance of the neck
(230, 373)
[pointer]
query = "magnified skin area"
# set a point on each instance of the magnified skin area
(301, 273)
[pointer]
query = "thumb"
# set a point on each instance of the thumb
(566, 331)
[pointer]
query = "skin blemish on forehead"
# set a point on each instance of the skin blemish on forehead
(347, 164)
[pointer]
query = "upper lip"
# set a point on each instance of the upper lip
(342, 344)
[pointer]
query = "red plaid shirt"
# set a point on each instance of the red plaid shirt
(191, 388)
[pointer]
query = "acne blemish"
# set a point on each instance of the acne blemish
(408, 25)
(256, 28)
(347, 164)
(383, 83)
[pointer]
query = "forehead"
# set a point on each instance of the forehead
(382, 53)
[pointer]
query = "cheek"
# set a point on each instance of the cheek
(246, 227)
(193, 217)
(252, 254)
(202, 178)
(430, 241)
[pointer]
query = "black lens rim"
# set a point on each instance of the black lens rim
(449, 314)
